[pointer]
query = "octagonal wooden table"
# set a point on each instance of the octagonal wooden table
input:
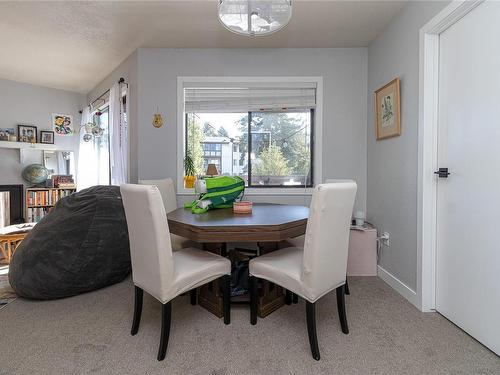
(267, 225)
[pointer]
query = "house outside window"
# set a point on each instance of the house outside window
(278, 145)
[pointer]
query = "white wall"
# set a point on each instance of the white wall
(21, 103)
(344, 118)
(392, 163)
(128, 70)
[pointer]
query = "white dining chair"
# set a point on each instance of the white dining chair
(155, 268)
(299, 241)
(167, 191)
(321, 265)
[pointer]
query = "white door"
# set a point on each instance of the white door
(468, 201)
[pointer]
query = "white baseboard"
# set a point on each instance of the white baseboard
(398, 286)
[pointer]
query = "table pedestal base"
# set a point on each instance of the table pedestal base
(271, 296)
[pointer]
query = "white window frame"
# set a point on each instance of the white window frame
(183, 81)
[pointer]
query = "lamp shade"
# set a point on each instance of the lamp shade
(212, 170)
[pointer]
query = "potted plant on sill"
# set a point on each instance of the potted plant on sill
(189, 171)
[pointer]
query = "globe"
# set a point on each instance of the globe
(35, 174)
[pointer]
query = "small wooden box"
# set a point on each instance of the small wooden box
(362, 260)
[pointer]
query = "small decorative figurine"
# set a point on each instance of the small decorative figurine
(157, 120)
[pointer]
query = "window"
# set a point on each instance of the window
(266, 149)
(259, 128)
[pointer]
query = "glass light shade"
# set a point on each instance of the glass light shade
(254, 17)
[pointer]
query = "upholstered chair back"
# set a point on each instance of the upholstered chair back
(167, 190)
(149, 236)
(324, 264)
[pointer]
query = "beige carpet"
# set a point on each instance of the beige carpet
(89, 334)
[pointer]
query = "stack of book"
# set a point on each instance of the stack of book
(63, 181)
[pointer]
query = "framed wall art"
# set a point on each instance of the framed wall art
(27, 133)
(388, 110)
(46, 136)
(62, 124)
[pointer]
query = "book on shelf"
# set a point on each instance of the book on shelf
(39, 201)
(63, 181)
(35, 214)
(67, 185)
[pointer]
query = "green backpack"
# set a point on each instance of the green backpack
(216, 192)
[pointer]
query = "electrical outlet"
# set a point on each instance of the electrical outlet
(385, 239)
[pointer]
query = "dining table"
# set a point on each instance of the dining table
(268, 226)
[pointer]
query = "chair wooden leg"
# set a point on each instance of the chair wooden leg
(295, 298)
(288, 297)
(347, 288)
(166, 314)
(226, 298)
(192, 295)
(137, 310)
(253, 300)
(311, 329)
(341, 309)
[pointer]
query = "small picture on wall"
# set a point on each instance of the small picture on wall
(27, 133)
(7, 134)
(62, 124)
(387, 110)
(46, 136)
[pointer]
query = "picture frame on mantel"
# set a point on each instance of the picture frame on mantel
(27, 133)
(388, 110)
(47, 137)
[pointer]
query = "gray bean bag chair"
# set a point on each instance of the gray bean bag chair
(82, 245)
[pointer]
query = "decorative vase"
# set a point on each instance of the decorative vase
(189, 181)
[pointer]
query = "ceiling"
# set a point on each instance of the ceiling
(74, 45)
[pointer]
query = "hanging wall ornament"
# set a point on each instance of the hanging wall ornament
(157, 119)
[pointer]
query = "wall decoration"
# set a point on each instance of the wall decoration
(157, 120)
(27, 133)
(388, 110)
(46, 136)
(62, 124)
(7, 134)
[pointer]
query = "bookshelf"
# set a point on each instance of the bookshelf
(40, 201)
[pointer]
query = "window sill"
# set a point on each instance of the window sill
(262, 191)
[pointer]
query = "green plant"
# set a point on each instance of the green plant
(189, 167)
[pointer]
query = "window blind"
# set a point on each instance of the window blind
(244, 99)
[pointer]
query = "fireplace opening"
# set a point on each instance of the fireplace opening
(16, 193)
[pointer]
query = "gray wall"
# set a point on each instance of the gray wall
(392, 163)
(128, 70)
(21, 103)
(344, 118)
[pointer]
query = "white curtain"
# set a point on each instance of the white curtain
(118, 134)
(87, 157)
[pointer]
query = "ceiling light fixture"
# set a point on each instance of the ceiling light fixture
(254, 17)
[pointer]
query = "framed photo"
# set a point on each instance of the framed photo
(46, 136)
(62, 124)
(7, 134)
(27, 133)
(388, 110)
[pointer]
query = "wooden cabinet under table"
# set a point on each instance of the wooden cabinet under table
(268, 225)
